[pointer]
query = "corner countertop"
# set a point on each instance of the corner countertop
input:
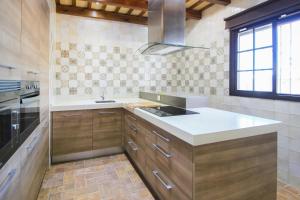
(209, 126)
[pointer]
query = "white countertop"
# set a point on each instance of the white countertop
(209, 126)
(86, 104)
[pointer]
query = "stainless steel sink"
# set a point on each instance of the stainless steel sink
(105, 101)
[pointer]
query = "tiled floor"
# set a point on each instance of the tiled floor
(108, 178)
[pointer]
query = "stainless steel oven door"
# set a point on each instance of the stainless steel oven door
(30, 113)
(9, 128)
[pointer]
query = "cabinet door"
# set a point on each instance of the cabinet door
(34, 163)
(30, 43)
(10, 37)
(71, 132)
(107, 128)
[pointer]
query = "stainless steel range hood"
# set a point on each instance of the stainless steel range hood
(166, 27)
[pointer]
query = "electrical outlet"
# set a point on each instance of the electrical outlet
(158, 97)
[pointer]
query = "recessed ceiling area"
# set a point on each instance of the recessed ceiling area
(131, 11)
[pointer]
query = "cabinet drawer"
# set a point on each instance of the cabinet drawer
(173, 156)
(131, 119)
(71, 132)
(10, 178)
(136, 153)
(107, 128)
(162, 184)
(136, 134)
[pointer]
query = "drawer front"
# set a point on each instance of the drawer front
(173, 156)
(133, 130)
(131, 119)
(34, 164)
(71, 132)
(136, 153)
(162, 184)
(10, 178)
(107, 128)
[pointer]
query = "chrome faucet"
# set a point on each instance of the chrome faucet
(102, 96)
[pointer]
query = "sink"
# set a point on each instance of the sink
(105, 101)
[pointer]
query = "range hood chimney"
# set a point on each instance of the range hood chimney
(166, 27)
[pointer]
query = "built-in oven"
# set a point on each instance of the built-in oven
(30, 108)
(9, 119)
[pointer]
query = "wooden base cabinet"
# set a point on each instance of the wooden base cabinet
(35, 161)
(107, 128)
(71, 132)
(231, 170)
(86, 134)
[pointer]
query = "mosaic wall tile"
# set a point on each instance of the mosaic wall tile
(120, 71)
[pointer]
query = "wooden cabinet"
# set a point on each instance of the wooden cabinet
(165, 159)
(10, 178)
(107, 128)
(71, 132)
(35, 161)
(10, 38)
(86, 132)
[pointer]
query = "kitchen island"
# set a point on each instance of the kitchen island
(211, 155)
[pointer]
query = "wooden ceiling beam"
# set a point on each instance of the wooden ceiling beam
(221, 2)
(100, 14)
(142, 5)
(132, 4)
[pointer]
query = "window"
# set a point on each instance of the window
(265, 59)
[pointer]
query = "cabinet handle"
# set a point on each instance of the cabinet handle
(7, 67)
(6, 184)
(134, 148)
(133, 128)
(32, 72)
(74, 115)
(106, 113)
(32, 144)
(162, 137)
(167, 155)
(134, 119)
(166, 185)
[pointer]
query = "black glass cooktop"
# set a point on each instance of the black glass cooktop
(167, 111)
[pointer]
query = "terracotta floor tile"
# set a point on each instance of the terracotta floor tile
(109, 178)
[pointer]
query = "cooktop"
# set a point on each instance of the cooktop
(167, 111)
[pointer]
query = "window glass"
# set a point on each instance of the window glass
(245, 81)
(263, 36)
(245, 60)
(245, 41)
(264, 58)
(263, 80)
(288, 63)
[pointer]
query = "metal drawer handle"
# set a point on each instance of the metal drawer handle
(32, 144)
(134, 119)
(7, 67)
(106, 113)
(133, 128)
(6, 184)
(166, 185)
(161, 151)
(162, 137)
(132, 145)
(75, 115)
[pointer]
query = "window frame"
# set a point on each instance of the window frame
(233, 91)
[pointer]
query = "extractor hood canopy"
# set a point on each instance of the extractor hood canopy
(166, 28)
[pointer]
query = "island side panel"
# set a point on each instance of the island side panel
(237, 169)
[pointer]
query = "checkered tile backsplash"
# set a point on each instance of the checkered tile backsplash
(122, 72)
